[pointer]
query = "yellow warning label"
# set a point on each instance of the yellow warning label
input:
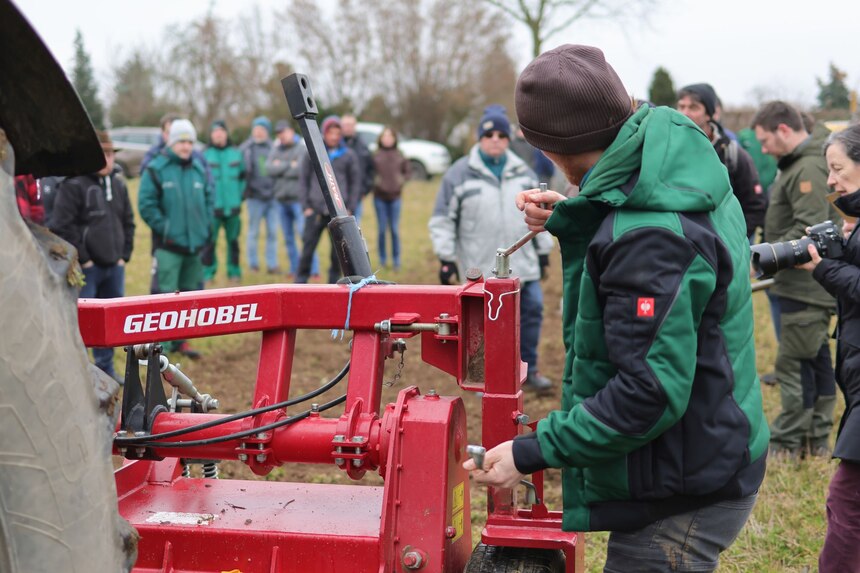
(458, 497)
(457, 524)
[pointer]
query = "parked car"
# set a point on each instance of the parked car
(427, 158)
(133, 143)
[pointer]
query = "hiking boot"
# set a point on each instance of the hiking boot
(769, 379)
(821, 452)
(781, 453)
(185, 350)
(540, 384)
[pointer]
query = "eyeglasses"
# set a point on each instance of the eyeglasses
(494, 134)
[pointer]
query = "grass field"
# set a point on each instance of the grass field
(785, 532)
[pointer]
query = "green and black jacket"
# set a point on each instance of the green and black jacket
(661, 409)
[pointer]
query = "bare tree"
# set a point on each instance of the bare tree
(546, 18)
(424, 65)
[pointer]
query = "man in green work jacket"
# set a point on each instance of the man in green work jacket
(176, 201)
(661, 437)
(798, 200)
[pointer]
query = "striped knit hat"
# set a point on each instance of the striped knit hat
(569, 100)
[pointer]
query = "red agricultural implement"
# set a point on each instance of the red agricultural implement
(419, 520)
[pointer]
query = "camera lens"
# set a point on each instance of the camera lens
(768, 258)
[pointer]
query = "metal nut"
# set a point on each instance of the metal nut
(412, 560)
(261, 458)
(243, 457)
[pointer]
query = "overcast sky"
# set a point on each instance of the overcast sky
(742, 47)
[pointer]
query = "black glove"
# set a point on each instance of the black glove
(543, 261)
(447, 272)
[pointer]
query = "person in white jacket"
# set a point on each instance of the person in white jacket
(476, 213)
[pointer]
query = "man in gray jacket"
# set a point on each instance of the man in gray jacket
(260, 195)
(347, 172)
(476, 213)
(284, 166)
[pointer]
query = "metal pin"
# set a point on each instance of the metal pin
(477, 453)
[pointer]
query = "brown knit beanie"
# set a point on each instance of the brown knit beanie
(569, 101)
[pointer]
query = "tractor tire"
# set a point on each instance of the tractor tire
(497, 559)
(58, 506)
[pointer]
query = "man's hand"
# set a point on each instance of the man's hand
(88, 264)
(532, 203)
(309, 212)
(120, 263)
(543, 261)
(816, 258)
(847, 227)
(447, 271)
(499, 469)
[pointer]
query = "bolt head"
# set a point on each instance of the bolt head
(243, 457)
(261, 458)
(356, 463)
(338, 461)
(450, 532)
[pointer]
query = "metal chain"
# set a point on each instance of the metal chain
(397, 372)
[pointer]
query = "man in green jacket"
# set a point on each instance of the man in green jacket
(661, 436)
(228, 170)
(176, 201)
(798, 200)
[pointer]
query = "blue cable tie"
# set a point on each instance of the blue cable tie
(353, 288)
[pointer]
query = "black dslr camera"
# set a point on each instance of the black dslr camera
(768, 258)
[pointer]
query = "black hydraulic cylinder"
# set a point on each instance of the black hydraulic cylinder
(349, 245)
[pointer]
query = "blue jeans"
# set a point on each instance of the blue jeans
(689, 541)
(104, 282)
(531, 317)
(293, 224)
(359, 209)
(388, 217)
(259, 209)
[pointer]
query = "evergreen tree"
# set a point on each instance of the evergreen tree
(134, 100)
(833, 94)
(662, 90)
(85, 83)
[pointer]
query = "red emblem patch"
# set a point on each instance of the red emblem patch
(645, 307)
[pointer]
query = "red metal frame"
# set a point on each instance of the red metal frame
(420, 518)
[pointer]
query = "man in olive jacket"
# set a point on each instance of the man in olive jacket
(661, 436)
(176, 201)
(799, 200)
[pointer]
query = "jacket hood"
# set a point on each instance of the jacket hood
(678, 169)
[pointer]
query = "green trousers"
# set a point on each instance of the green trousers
(177, 272)
(232, 225)
(806, 381)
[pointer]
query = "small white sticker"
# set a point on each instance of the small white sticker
(180, 518)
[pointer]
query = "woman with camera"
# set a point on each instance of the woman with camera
(841, 278)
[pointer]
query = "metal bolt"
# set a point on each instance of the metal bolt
(140, 452)
(338, 461)
(139, 434)
(357, 439)
(432, 392)
(412, 560)
(243, 457)
(356, 463)
(444, 315)
(523, 419)
(338, 438)
(122, 451)
(450, 532)
(262, 436)
(315, 408)
(261, 458)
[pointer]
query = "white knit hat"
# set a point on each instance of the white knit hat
(181, 130)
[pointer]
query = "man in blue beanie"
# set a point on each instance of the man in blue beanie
(260, 195)
(487, 180)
